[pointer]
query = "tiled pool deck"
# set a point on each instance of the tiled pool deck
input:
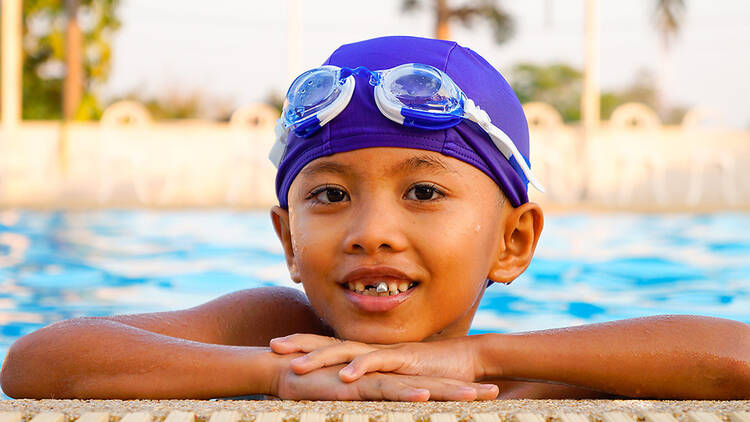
(343, 411)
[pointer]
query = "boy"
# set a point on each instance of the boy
(401, 194)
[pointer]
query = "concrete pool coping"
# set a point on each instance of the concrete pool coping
(337, 411)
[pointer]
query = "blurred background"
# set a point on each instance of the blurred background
(134, 139)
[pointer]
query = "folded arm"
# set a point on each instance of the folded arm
(208, 351)
(203, 352)
(656, 357)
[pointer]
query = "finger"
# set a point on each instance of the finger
(452, 389)
(328, 356)
(301, 343)
(487, 392)
(375, 361)
(443, 388)
(389, 387)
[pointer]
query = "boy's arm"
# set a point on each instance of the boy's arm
(196, 352)
(89, 358)
(659, 357)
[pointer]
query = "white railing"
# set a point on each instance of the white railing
(128, 159)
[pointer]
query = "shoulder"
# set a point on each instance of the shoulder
(252, 317)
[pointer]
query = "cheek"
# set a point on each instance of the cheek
(462, 240)
(315, 255)
(458, 250)
(311, 242)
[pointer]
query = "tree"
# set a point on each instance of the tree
(488, 10)
(668, 16)
(559, 85)
(44, 55)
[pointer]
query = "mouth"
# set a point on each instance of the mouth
(380, 287)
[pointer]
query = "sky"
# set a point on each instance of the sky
(237, 51)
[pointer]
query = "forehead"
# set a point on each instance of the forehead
(382, 160)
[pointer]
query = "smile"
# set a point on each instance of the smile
(380, 288)
(370, 300)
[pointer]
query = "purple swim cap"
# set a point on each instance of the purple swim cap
(361, 124)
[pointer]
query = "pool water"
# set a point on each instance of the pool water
(587, 268)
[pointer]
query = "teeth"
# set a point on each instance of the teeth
(381, 287)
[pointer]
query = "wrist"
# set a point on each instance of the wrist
(277, 365)
(487, 354)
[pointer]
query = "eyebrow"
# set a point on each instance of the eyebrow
(410, 164)
(326, 167)
(422, 162)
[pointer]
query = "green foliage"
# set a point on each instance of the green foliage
(44, 55)
(641, 90)
(501, 22)
(560, 86)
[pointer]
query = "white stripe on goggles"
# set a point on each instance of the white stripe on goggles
(413, 94)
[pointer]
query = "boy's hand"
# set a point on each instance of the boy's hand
(454, 358)
(324, 384)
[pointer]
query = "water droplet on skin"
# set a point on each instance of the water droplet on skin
(478, 228)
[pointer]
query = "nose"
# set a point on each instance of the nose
(376, 228)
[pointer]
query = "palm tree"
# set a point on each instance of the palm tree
(502, 23)
(73, 84)
(668, 17)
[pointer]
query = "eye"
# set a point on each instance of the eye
(424, 192)
(328, 194)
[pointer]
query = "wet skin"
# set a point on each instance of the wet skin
(400, 215)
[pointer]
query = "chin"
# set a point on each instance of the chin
(376, 335)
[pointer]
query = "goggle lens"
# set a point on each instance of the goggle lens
(309, 93)
(422, 88)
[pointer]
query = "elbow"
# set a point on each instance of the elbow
(31, 370)
(12, 379)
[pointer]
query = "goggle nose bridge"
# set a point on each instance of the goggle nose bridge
(374, 78)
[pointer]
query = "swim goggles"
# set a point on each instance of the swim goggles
(414, 94)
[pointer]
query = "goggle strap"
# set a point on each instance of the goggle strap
(501, 140)
(279, 147)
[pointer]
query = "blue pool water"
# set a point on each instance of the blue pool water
(588, 267)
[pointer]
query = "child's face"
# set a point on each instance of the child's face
(407, 217)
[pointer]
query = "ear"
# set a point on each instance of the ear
(280, 219)
(522, 227)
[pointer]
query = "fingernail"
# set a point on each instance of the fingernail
(487, 386)
(347, 371)
(299, 360)
(278, 339)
